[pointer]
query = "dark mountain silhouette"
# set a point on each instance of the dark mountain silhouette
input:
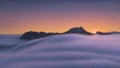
(78, 30)
(34, 35)
(107, 33)
(103, 33)
(115, 32)
(30, 35)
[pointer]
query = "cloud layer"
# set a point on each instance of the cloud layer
(64, 51)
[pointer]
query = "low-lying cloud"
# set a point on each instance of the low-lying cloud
(64, 51)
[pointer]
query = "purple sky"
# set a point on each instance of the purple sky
(18, 16)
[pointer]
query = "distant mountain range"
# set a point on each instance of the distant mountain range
(107, 33)
(76, 30)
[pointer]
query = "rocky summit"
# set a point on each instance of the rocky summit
(78, 30)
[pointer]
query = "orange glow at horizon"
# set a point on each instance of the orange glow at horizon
(62, 27)
(60, 18)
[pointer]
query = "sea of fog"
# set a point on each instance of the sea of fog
(60, 51)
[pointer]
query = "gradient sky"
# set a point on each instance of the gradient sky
(19, 16)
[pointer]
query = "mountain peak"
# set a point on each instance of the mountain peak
(81, 27)
(78, 30)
